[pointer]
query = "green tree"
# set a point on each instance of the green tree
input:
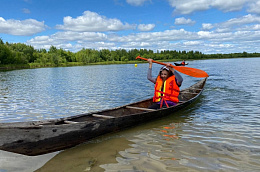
(105, 54)
(5, 54)
(53, 49)
(114, 56)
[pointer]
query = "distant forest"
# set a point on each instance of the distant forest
(22, 54)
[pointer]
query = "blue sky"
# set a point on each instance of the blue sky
(208, 26)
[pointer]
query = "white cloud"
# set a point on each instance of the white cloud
(68, 36)
(230, 25)
(203, 41)
(222, 37)
(207, 26)
(228, 5)
(76, 36)
(93, 22)
(192, 43)
(190, 6)
(248, 22)
(255, 27)
(146, 45)
(184, 21)
(26, 27)
(254, 7)
(242, 20)
(136, 2)
(168, 35)
(146, 27)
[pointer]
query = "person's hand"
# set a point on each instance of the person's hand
(150, 61)
(168, 65)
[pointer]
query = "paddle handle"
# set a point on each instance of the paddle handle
(161, 63)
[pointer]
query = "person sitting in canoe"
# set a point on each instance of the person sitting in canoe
(183, 63)
(166, 87)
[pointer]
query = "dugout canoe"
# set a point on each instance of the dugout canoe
(179, 64)
(41, 137)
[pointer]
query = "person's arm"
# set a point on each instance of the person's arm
(178, 78)
(149, 76)
(149, 73)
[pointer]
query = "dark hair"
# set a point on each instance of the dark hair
(167, 69)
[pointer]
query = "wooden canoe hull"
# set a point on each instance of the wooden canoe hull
(41, 137)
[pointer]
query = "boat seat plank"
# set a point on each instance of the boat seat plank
(138, 108)
(196, 88)
(70, 122)
(102, 116)
(189, 93)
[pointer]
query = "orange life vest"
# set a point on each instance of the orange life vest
(169, 92)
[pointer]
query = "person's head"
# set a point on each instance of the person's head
(165, 73)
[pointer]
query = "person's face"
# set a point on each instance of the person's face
(164, 75)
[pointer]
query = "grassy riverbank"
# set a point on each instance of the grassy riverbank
(68, 64)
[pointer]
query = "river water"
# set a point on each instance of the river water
(219, 132)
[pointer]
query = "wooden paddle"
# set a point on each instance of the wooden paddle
(183, 69)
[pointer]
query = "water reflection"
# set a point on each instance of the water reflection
(11, 162)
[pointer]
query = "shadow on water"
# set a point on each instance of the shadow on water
(87, 157)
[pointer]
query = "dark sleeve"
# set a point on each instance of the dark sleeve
(178, 78)
(149, 76)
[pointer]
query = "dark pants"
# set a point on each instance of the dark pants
(157, 106)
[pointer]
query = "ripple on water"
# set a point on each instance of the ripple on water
(191, 146)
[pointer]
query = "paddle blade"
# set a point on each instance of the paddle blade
(191, 71)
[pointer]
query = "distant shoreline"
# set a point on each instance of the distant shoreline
(70, 64)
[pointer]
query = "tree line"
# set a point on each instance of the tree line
(19, 53)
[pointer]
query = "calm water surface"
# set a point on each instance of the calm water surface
(219, 132)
